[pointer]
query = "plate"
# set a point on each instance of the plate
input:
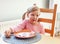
(25, 34)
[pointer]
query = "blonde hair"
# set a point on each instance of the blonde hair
(31, 9)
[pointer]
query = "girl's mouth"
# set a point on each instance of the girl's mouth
(34, 20)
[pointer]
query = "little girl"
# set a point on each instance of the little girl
(31, 23)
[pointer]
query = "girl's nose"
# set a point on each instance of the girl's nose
(35, 17)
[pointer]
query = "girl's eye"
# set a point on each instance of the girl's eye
(37, 15)
(32, 14)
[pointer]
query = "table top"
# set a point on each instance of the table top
(45, 39)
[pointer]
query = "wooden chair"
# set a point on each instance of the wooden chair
(51, 32)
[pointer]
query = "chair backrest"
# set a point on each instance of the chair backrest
(52, 21)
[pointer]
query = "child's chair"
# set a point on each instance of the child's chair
(51, 32)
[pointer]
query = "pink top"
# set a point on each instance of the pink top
(27, 25)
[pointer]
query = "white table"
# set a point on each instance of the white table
(46, 39)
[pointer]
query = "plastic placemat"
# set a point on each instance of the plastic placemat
(14, 40)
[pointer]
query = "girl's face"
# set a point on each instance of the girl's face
(33, 16)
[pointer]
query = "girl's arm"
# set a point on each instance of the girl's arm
(15, 29)
(18, 27)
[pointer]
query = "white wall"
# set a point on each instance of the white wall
(13, 9)
(52, 2)
(58, 3)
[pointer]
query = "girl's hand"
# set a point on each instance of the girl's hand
(8, 33)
